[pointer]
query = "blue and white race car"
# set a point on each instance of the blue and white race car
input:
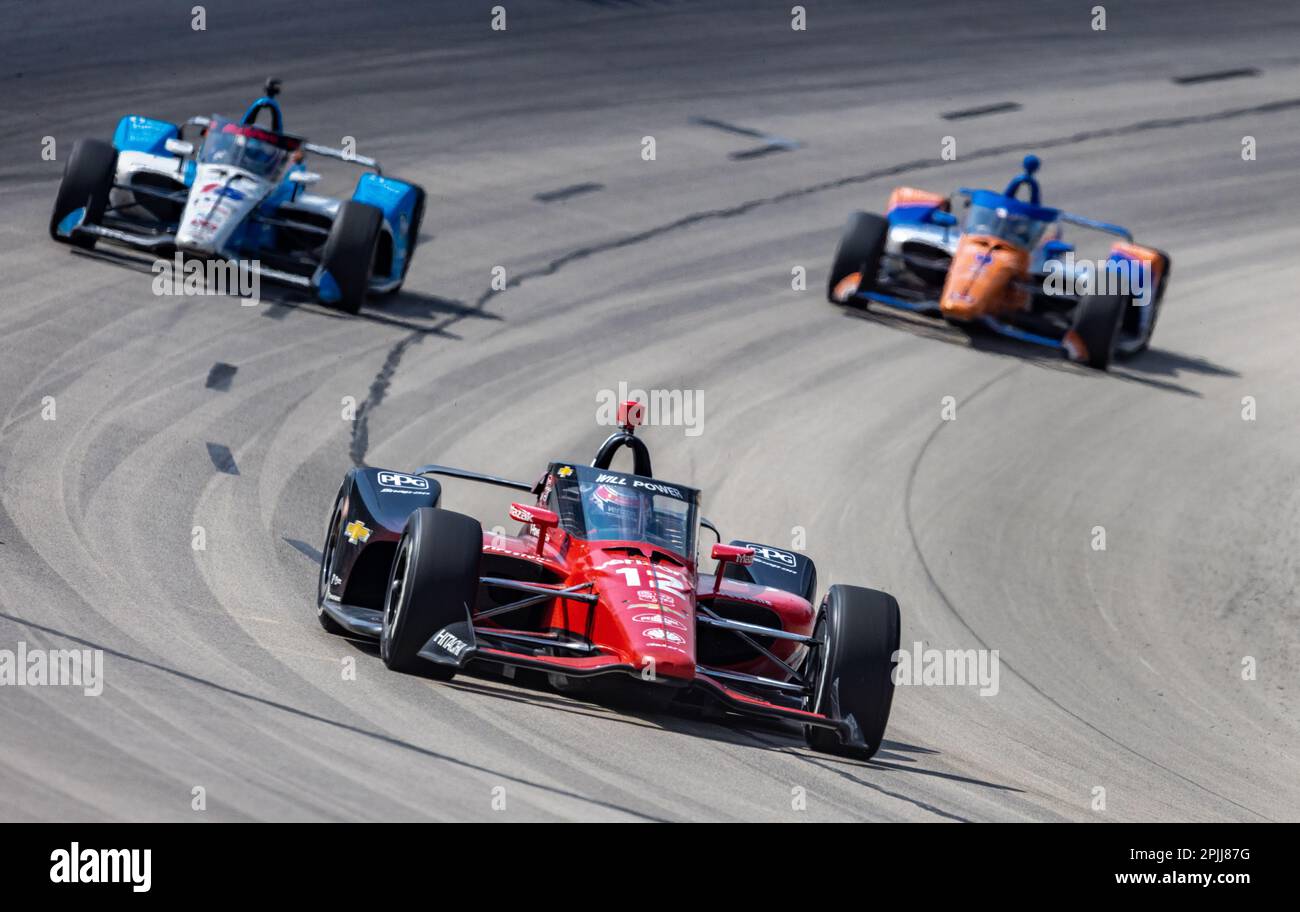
(240, 192)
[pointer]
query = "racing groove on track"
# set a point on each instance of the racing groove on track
(1121, 669)
(379, 388)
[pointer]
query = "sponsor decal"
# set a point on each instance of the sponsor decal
(659, 619)
(400, 480)
(450, 643)
(227, 192)
(564, 471)
(656, 633)
(662, 596)
(641, 484)
(648, 606)
(775, 557)
(356, 531)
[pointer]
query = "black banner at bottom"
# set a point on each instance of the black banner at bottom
(333, 861)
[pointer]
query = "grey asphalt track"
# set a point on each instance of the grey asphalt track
(1120, 669)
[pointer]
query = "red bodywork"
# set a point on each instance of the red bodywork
(643, 621)
(647, 601)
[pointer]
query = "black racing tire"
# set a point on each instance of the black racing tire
(861, 247)
(333, 535)
(853, 669)
(1145, 342)
(1164, 274)
(87, 181)
(433, 583)
(1097, 321)
(349, 254)
(412, 237)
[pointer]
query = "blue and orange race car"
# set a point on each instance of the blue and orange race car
(1004, 266)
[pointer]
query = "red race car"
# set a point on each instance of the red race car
(601, 584)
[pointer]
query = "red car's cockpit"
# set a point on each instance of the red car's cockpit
(602, 505)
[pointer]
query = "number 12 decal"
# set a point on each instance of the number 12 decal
(658, 580)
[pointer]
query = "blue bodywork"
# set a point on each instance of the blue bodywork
(143, 134)
(397, 201)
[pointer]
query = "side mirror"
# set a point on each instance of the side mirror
(944, 219)
(729, 554)
(1054, 250)
(543, 519)
(179, 147)
(303, 177)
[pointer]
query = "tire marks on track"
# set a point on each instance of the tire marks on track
(187, 677)
(379, 386)
(948, 603)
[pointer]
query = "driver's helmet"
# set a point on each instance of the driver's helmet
(614, 513)
(259, 153)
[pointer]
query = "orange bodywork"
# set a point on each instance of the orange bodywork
(985, 279)
(910, 196)
(1151, 258)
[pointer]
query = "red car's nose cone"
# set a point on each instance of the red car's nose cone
(648, 612)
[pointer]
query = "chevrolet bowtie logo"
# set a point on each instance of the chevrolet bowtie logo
(356, 531)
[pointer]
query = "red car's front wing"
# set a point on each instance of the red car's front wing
(591, 666)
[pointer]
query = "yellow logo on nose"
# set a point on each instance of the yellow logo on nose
(356, 531)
